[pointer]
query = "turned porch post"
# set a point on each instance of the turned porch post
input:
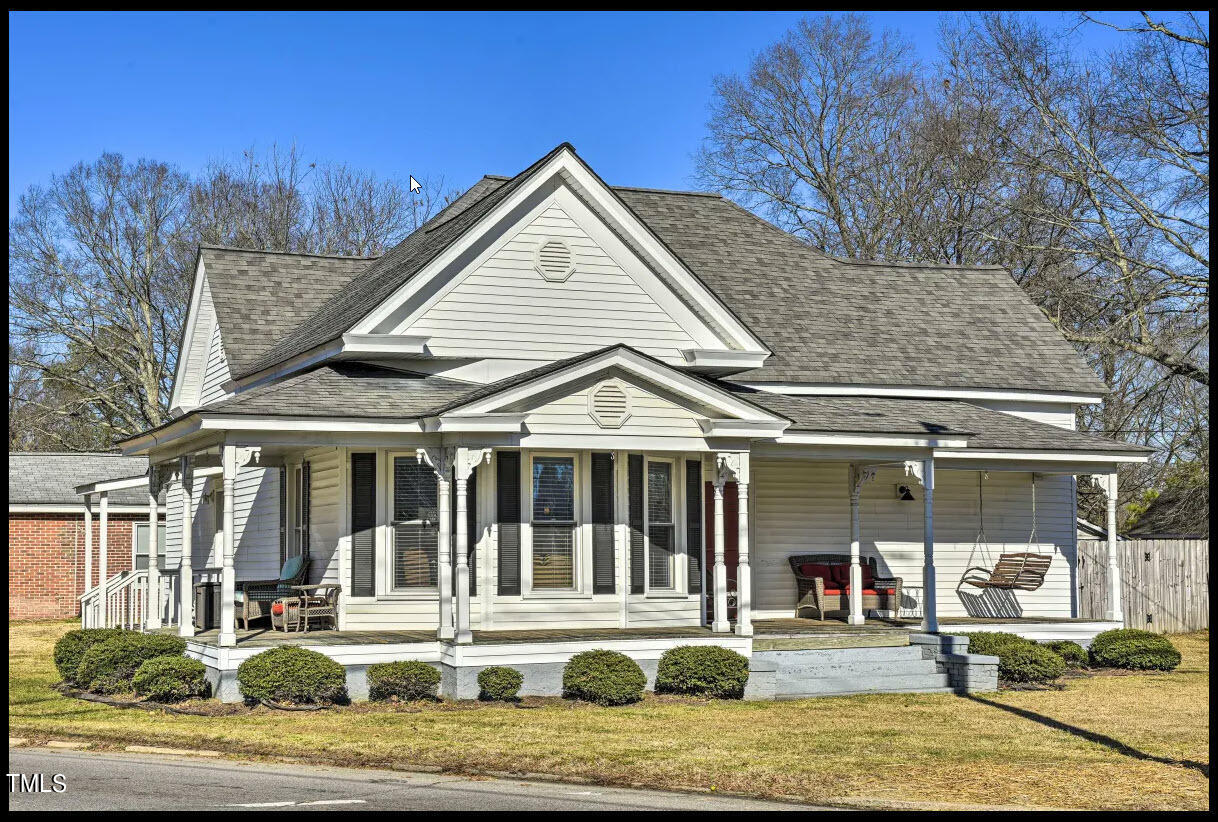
(466, 462)
(1113, 609)
(186, 577)
(858, 476)
(103, 560)
(233, 459)
(152, 598)
(441, 460)
(85, 616)
(720, 624)
(930, 613)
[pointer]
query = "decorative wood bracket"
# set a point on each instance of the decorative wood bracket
(468, 459)
(440, 458)
(859, 476)
(1101, 482)
(731, 465)
(913, 468)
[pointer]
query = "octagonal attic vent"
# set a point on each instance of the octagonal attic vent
(609, 404)
(555, 260)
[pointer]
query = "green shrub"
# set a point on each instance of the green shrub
(108, 666)
(404, 680)
(1029, 663)
(1134, 650)
(1073, 654)
(171, 679)
(499, 683)
(72, 646)
(603, 677)
(292, 674)
(991, 642)
(706, 670)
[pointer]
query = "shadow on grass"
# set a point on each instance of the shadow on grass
(1108, 742)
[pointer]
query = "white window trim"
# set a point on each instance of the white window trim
(582, 532)
(680, 573)
(384, 575)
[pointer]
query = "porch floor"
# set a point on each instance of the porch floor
(829, 633)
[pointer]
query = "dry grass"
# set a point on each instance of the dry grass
(1114, 742)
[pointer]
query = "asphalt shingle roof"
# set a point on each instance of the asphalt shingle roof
(51, 478)
(827, 320)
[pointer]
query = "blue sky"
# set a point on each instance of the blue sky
(459, 94)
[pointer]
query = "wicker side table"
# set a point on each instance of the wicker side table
(288, 618)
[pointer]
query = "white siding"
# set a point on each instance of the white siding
(650, 415)
(505, 308)
(256, 523)
(216, 373)
(1060, 414)
(803, 507)
(325, 523)
(198, 344)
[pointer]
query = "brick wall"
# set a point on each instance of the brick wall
(46, 561)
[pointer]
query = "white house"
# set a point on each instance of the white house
(565, 405)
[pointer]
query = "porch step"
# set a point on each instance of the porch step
(785, 658)
(836, 671)
(862, 670)
(843, 685)
(889, 639)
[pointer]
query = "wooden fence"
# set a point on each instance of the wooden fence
(1165, 583)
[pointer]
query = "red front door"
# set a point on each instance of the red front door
(731, 545)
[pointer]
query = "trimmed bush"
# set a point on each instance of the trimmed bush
(108, 666)
(1134, 650)
(991, 642)
(292, 674)
(171, 679)
(603, 677)
(1073, 654)
(72, 646)
(703, 670)
(499, 683)
(1029, 663)
(404, 680)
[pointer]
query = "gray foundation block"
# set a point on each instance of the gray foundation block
(542, 679)
(968, 673)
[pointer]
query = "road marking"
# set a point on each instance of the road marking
(290, 804)
(334, 802)
(259, 805)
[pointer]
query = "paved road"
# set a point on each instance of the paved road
(113, 781)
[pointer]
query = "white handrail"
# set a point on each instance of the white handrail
(126, 601)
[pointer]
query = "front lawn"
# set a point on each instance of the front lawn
(1137, 741)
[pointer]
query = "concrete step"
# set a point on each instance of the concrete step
(835, 685)
(913, 667)
(786, 657)
(817, 642)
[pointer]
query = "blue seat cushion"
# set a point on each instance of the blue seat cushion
(292, 568)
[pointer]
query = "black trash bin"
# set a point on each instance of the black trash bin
(207, 605)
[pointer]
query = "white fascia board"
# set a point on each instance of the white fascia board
(495, 423)
(192, 313)
(891, 440)
(405, 425)
(918, 392)
(670, 378)
(1041, 456)
(710, 358)
(78, 509)
(573, 171)
(134, 481)
(318, 354)
(360, 345)
(742, 428)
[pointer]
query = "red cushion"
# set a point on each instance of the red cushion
(841, 574)
(868, 576)
(816, 569)
(834, 591)
(277, 608)
(874, 592)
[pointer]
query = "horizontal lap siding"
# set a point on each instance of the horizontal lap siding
(601, 611)
(804, 507)
(649, 416)
(256, 523)
(647, 613)
(507, 307)
(201, 335)
(327, 516)
(1059, 414)
(216, 372)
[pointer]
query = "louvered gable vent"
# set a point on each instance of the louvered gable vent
(609, 404)
(555, 260)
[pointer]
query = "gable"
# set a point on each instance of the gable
(507, 304)
(197, 342)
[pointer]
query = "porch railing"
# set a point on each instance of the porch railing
(125, 595)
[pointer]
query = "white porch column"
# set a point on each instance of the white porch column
(233, 459)
(152, 600)
(930, 613)
(103, 559)
(739, 465)
(186, 576)
(85, 616)
(467, 460)
(720, 625)
(858, 476)
(1108, 484)
(441, 461)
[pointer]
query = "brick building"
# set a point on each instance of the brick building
(46, 528)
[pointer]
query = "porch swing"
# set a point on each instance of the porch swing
(1023, 571)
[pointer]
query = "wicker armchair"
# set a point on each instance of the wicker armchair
(830, 589)
(254, 598)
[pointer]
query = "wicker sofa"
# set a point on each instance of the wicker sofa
(254, 597)
(823, 584)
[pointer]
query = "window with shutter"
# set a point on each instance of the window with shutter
(604, 574)
(363, 525)
(414, 524)
(507, 507)
(661, 557)
(634, 493)
(693, 523)
(553, 523)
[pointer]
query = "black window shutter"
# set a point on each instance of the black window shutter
(283, 515)
(508, 508)
(363, 525)
(306, 503)
(604, 574)
(634, 479)
(693, 523)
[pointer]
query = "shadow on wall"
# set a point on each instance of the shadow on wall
(990, 602)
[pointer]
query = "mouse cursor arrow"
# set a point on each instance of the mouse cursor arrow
(414, 185)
